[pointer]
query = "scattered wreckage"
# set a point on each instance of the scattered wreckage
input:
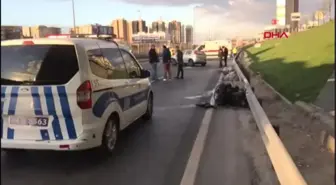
(229, 91)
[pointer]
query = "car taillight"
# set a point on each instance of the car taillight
(198, 52)
(84, 94)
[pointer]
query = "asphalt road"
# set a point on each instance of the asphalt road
(154, 153)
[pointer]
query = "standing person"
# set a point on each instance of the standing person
(180, 63)
(220, 57)
(153, 60)
(226, 52)
(166, 59)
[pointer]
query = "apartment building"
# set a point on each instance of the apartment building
(139, 26)
(189, 34)
(11, 32)
(40, 31)
(130, 32)
(174, 29)
(158, 26)
(120, 29)
(93, 29)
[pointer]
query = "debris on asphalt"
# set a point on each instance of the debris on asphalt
(230, 91)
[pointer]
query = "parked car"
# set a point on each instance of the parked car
(191, 58)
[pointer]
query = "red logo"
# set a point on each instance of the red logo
(271, 35)
(274, 21)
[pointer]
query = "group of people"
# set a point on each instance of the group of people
(153, 56)
(223, 53)
(166, 60)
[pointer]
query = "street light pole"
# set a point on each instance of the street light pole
(73, 16)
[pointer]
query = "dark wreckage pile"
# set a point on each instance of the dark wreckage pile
(229, 91)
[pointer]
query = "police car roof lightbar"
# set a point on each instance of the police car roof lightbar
(107, 38)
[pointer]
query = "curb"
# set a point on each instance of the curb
(327, 137)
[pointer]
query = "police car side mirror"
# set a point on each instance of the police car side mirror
(145, 73)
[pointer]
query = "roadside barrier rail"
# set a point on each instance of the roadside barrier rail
(285, 168)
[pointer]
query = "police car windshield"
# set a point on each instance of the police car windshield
(38, 64)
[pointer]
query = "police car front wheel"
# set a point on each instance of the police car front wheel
(149, 110)
(110, 136)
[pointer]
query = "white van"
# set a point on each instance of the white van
(69, 94)
(210, 48)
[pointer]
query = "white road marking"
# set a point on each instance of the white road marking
(207, 93)
(175, 107)
(191, 169)
(193, 97)
(160, 78)
(331, 79)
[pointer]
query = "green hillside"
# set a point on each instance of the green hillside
(297, 67)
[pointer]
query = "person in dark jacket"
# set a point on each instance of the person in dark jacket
(226, 53)
(166, 59)
(153, 60)
(220, 56)
(180, 63)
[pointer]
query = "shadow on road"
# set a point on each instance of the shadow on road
(64, 161)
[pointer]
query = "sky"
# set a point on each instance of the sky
(218, 19)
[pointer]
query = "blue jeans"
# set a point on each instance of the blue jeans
(154, 71)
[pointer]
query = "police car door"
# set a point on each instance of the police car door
(112, 79)
(139, 86)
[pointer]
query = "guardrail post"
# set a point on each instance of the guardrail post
(276, 129)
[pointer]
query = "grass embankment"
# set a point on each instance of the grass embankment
(297, 67)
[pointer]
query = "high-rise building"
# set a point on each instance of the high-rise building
(161, 26)
(174, 29)
(183, 34)
(189, 34)
(93, 29)
(139, 26)
(158, 26)
(142, 26)
(120, 29)
(40, 31)
(130, 32)
(11, 32)
(281, 12)
(155, 26)
(291, 7)
(135, 27)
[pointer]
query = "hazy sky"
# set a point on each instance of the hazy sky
(218, 18)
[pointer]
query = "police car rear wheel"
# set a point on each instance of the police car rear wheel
(110, 135)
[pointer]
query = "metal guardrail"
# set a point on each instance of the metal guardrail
(284, 167)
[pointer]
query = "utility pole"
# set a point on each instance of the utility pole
(74, 16)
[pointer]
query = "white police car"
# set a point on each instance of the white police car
(69, 94)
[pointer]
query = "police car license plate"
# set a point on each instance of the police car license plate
(29, 121)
